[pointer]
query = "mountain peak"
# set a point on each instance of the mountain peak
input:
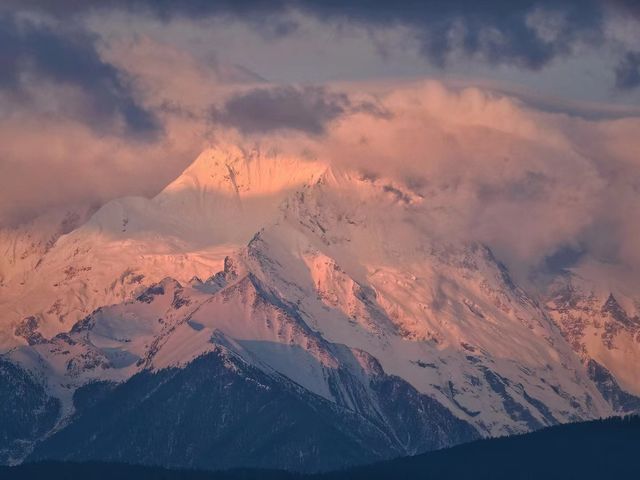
(238, 172)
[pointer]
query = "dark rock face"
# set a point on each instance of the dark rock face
(150, 293)
(577, 310)
(220, 412)
(620, 400)
(27, 412)
(28, 329)
(612, 308)
(515, 409)
(419, 423)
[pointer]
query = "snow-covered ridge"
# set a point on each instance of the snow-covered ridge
(208, 212)
(237, 172)
(322, 277)
(224, 196)
(600, 318)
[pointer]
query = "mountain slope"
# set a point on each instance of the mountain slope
(28, 412)
(325, 285)
(212, 209)
(266, 343)
(598, 312)
(211, 413)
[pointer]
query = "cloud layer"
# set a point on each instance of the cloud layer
(527, 34)
(104, 99)
(528, 183)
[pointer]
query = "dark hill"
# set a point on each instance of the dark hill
(602, 449)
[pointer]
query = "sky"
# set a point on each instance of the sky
(518, 119)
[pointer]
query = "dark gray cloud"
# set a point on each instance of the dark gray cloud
(628, 7)
(161, 8)
(565, 257)
(265, 15)
(69, 56)
(496, 31)
(628, 71)
(308, 109)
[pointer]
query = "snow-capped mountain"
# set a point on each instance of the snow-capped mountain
(257, 282)
(599, 315)
(212, 209)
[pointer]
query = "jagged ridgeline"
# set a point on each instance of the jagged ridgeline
(270, 311)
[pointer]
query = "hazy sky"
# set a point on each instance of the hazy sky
(492, 108)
